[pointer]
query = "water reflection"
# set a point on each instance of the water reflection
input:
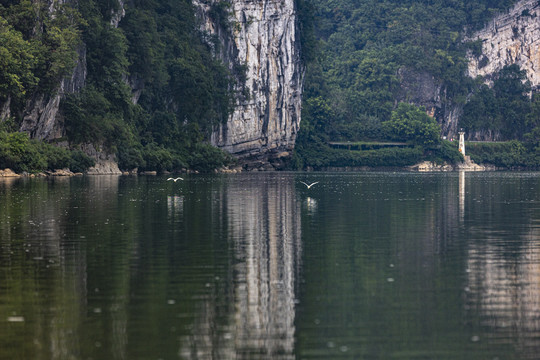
(175, 205)
(503, 266)
(504, 286)
(311, 205)
(461, 196)
(263, 221)
(391, 264)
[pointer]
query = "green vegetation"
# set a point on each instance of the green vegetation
(353, 90)
(502, 110)
(508, 154)
(184, 89)
(412, 124)
(407, 123)
(35, 53)
(20, 154)
(154, 87)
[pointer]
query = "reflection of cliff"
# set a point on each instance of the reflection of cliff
(503, 262)
(505, 288)
(264, 233)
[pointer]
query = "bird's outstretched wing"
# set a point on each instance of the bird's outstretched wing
(309, 185)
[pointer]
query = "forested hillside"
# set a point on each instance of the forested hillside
(152, 86)
(359, 54)
(152, 91)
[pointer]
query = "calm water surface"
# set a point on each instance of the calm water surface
(256, 266)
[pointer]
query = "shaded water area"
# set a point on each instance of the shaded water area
(375, 265)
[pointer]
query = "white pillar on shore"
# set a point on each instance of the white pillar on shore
(462, 142)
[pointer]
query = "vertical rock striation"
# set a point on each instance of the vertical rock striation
(423, 89)
(510, 38)
(42, 119)
(262, 39)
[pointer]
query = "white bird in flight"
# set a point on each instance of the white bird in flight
(173, 179)
(309, 185)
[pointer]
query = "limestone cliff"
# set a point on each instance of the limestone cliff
(423, 89)
(42, 118)
(261, 38)
(510, 38)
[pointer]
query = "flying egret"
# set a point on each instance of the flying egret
(309, 185)
(175, 180)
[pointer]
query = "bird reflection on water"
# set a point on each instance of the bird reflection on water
(311, 205)
(175, 205)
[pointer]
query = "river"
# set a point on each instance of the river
(370, 265)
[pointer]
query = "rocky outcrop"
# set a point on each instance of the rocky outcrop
(261, 37)
(106, 164)
(8, 173)
(423, 89)
(510, 38)
(5, 110)
(466, 165)
(41, 118)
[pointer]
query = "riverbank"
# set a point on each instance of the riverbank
(8, 173)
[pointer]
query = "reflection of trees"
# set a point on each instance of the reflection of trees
(264, 228)
(43, 225)
(120, 268)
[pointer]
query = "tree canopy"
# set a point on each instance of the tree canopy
(358, 49)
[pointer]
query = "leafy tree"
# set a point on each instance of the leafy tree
(411, 123)
(17, 62)
(502, 109)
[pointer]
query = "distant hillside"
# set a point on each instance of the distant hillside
(373, 55)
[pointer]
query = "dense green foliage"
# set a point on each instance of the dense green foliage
(184, 90)
(20, 154)
(502, 109)
(362, 44)
(353, 87)
(407, 123)
(154, 87)
(511, 154)
(412, 124)
(37, 48)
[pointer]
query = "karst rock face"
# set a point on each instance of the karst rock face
(261, 39)
(258, 40)
(510, 38)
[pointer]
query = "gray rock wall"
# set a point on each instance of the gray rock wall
(262, 37)
(423, 89)
(510, 38)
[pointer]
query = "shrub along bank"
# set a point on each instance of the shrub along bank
(508, 154)
(21, 154)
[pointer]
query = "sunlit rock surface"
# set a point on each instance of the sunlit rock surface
(262, 38)
(510, 38)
